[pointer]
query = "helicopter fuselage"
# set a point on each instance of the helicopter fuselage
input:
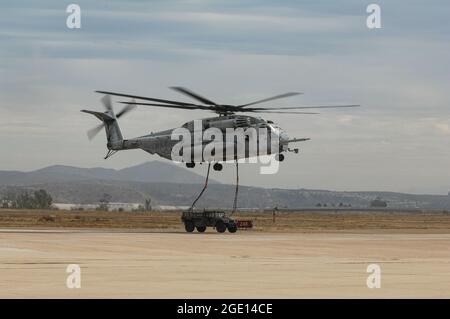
(163, 142)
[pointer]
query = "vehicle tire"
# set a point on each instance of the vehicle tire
(190, 165)
(279, 157)
(232, 228)
(201, 229)
(220, 227)
(217, 167)
(189, 226)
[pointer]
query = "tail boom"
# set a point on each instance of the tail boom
(112, 129)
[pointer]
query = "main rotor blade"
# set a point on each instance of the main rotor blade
(192, 95)
(281, 96)
(144, 98)
(94, 131)
(186, 107)
(276, 112)
(106, 100)
(305, 107)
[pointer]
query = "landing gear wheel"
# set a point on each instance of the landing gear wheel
(232, 228)
(190, 165)
(279, 157)
(220, 227)
(218, 167)
(189, 226)
(201, 229)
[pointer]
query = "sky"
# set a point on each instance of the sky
(235, 52)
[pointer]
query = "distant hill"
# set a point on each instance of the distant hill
(170, 185)
(152, 172)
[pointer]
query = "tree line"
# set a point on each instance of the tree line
(25, 199)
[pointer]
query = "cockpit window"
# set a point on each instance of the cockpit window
(270, 122)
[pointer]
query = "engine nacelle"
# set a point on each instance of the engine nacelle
(239, 121)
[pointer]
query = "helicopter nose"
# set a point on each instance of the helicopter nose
(283, 137)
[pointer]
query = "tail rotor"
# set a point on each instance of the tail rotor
(109, 114)
(94, 131)
(106, 101)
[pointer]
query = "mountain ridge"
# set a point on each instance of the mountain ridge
(151, 171)
(171, 185)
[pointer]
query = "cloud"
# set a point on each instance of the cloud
(346, 119)
(443, 128)
(262, 23)
(234, 52)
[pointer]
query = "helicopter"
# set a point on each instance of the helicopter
(228, 117)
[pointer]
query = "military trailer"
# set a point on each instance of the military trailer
(201, 220)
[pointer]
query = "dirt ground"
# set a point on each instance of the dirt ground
(312, 255)
(434, 222)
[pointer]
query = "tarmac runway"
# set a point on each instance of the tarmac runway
(33, 264)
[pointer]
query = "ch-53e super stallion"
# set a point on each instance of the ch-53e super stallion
(266, 138)
(229, 117)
